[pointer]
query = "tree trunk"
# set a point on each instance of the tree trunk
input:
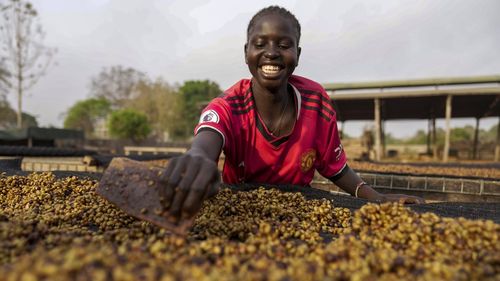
(19, 65)
(20, 103)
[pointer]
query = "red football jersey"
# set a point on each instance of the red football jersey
(254, 155)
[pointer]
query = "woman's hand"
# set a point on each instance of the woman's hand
(188, 180)
(192, 177)
(401, 198)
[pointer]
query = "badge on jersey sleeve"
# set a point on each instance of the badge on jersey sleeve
(307, 160)
(209, 116)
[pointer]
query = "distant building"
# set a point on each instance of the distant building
(101, 129)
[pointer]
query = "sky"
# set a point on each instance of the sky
(342, 41)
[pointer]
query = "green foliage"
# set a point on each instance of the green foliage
(29, 121)
(457, 135)
(462, 134)
(168, 109)
(420, 137)
(129, 124)
(8, 117)
(4, 80)
(390, 139)
(159, 101)
(84, 114)
(194, 95)
(490, 135)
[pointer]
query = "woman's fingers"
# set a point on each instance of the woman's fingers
(171, 179)
(214, 188)
(419, 200)
(406, 199)
(188, 180)
(403, 199)
(185, 187)
(204, 182)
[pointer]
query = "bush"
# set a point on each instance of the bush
(129, 124)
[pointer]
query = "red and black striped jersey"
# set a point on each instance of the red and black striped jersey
(254, 155)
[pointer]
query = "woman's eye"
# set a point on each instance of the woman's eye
(284, 46)
(259, 45)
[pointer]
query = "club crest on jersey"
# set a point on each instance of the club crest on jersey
(209, 116)
(307, 160)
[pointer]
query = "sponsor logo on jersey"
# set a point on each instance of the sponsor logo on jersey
(338, 151)
(307, 160)
(209, 116)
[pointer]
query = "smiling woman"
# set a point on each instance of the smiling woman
(276, 128)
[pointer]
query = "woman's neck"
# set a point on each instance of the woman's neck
(269, 102)
(276, 108)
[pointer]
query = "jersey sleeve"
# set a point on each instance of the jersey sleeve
(215, 117)
(332, 157)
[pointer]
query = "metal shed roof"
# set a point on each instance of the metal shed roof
(475, 97)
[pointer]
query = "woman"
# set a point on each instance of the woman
(276, 128)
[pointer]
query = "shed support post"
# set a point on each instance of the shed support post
(434, 140)
(497, 146)
(378, 128)
(429, 128)
(446, 150)
(384, 144)
(475, 144)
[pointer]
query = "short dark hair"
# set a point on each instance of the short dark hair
(274, 10)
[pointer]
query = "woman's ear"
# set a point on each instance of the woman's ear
(299, 49)
(245, 51)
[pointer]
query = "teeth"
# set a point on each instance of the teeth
(270, 69)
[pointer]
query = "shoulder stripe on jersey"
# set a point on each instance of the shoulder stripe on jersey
(318, 94)
(234, 98)
(319, 103)
(238, 97)
(242, 103)
(243, 111)
(317, 109)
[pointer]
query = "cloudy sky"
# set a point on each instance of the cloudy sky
(342, 41)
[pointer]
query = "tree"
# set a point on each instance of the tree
(489, 135)
(464, 134)
(159, 101)
(116, 84)
(8, 117)
(129, 124)
(25, 56)
(194, 95)
(420, 137)
(4, 79)
(84, 114)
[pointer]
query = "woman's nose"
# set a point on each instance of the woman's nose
(271, 52)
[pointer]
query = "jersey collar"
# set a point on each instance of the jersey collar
(298, 99)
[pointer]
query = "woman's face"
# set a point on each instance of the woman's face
(272, 52)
